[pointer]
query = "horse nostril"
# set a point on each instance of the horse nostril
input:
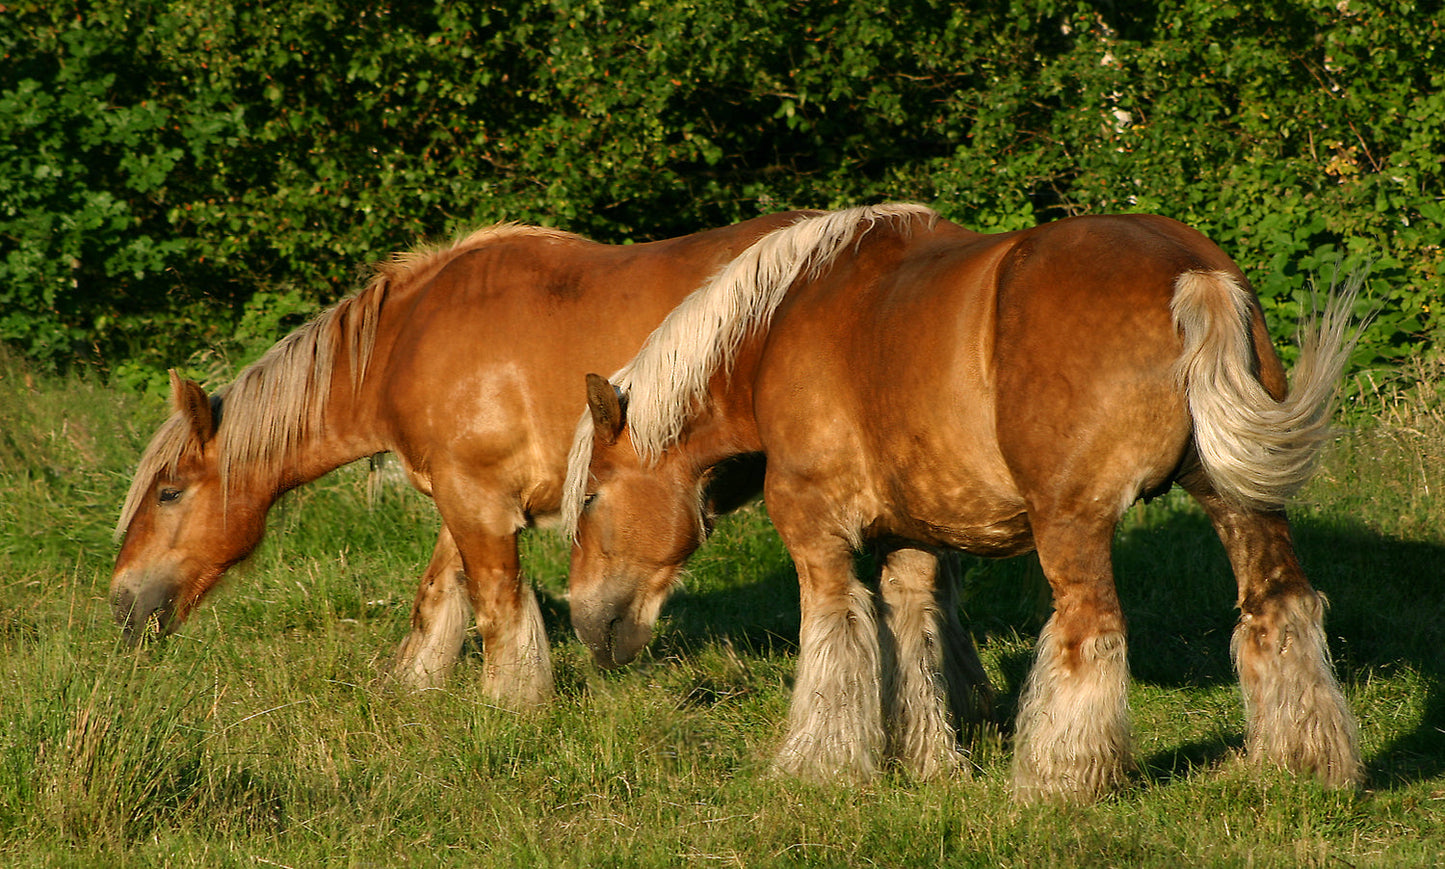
(601, 641)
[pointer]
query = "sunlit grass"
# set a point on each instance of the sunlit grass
(261, 734)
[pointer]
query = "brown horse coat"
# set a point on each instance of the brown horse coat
(466, 361)
(920, 385)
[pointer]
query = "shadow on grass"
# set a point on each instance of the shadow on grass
(1178, 594)
(1181, 761)
(758, 618)
(1387, 613)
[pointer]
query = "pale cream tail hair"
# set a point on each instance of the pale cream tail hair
(1257, 451)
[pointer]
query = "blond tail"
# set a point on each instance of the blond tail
(1256, 450)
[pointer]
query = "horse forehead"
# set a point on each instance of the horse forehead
(618, 463)
(613, 460)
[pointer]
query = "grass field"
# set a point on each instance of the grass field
(261, 735)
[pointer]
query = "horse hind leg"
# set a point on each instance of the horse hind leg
(934, 685)
(1296, 714)
(439, 620)
(1073, 739)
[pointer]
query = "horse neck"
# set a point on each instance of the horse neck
(726, 426)
(348, 432)
(286, 452)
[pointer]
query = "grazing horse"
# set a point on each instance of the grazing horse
(919, 385)
(467, 362)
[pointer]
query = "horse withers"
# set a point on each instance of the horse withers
(464, 360)
(921, 386)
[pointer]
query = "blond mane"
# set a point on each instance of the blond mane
(667, 380)
(276, 403)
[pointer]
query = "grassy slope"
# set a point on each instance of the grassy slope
(260, 735)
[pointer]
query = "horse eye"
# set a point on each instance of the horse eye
(588, 499)
(167, 495)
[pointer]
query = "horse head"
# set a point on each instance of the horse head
(639, 521)
(183, 523)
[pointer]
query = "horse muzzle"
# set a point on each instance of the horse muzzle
(144, 609)
(609, 631)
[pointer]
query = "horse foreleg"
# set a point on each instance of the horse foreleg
(934, 685)
(516, 660)
(835, 724)
(1296, 714)
(1073, 737)
(439, 620)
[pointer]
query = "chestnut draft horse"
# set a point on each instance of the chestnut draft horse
(467, 362)
(916, 384)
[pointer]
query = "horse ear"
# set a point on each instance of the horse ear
(191, 401)
(605, 402)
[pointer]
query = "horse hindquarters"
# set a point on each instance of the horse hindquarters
(1087, 419)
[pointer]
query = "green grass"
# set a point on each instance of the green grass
(261, 735)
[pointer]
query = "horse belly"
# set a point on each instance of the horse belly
(969, 507)
(1005, 537)
(935, 479)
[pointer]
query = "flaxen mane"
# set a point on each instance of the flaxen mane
(276, 403)
(669, 376)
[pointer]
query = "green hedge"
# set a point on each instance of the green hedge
(182, 175)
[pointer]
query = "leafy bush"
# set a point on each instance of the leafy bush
(174, 171)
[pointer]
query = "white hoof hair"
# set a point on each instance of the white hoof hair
(516, 660)
(1296, 714)
(835, 725)
(1073, 739)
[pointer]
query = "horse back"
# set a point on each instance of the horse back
(947, 382)
(481, 366)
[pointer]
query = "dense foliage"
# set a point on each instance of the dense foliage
(176, 175)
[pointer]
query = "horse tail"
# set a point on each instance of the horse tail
(1257, 448)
